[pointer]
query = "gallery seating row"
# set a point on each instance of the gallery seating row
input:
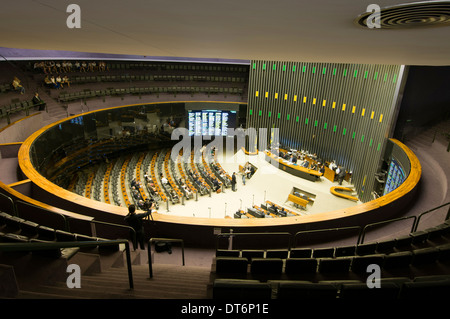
(176, 66)
(190, 187)
(88, 93)
(154, 176)
(421, 287)
(151, 77)
(428, 238)
(292, 267)
(124, 181)
(14, 229)
(17, 106)
(6, 87)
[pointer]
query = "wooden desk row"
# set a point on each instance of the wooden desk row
(154, 178)
(297, 200)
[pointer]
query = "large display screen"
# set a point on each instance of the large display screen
(395, 177)
(211, 122)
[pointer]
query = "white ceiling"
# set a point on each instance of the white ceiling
(283, 30)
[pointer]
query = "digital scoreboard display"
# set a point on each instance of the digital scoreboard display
(211, 122)
(395, 177)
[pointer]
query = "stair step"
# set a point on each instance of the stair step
(172, 282)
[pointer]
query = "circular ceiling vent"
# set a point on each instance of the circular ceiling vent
(409, 15)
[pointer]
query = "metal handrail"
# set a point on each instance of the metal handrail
(149, 251)
(131, 229)
(329, 230)
(385, 222)
(430, 211)
(45, 246)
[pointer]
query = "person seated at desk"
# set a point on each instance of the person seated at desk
(186, 189)
(305, 164)
(322, 169)
(274, 209)
(163, 179)
(216, 185)
(294, 159)
(174, 195)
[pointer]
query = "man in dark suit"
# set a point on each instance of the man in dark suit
(233, 182)
(341, 174)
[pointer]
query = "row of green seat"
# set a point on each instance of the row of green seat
(419, 288)
(67, 97)
(237, 267)
(176, 66)
(16, 107)
(5, 87)
(130, 78)
(14, 229)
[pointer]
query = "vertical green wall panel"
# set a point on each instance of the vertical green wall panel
(343, 98)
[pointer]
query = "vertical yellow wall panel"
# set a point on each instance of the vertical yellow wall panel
(357, 92)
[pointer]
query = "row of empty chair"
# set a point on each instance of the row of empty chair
(403, 262)
(92, 93)
(152, 77)
(144, 65)
(176, 66)
(14, 229)
(293, 267)
(421, 239)
(419, 288)
(17, 106)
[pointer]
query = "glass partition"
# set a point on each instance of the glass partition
(103, 135)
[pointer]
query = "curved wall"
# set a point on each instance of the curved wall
(200, 231)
